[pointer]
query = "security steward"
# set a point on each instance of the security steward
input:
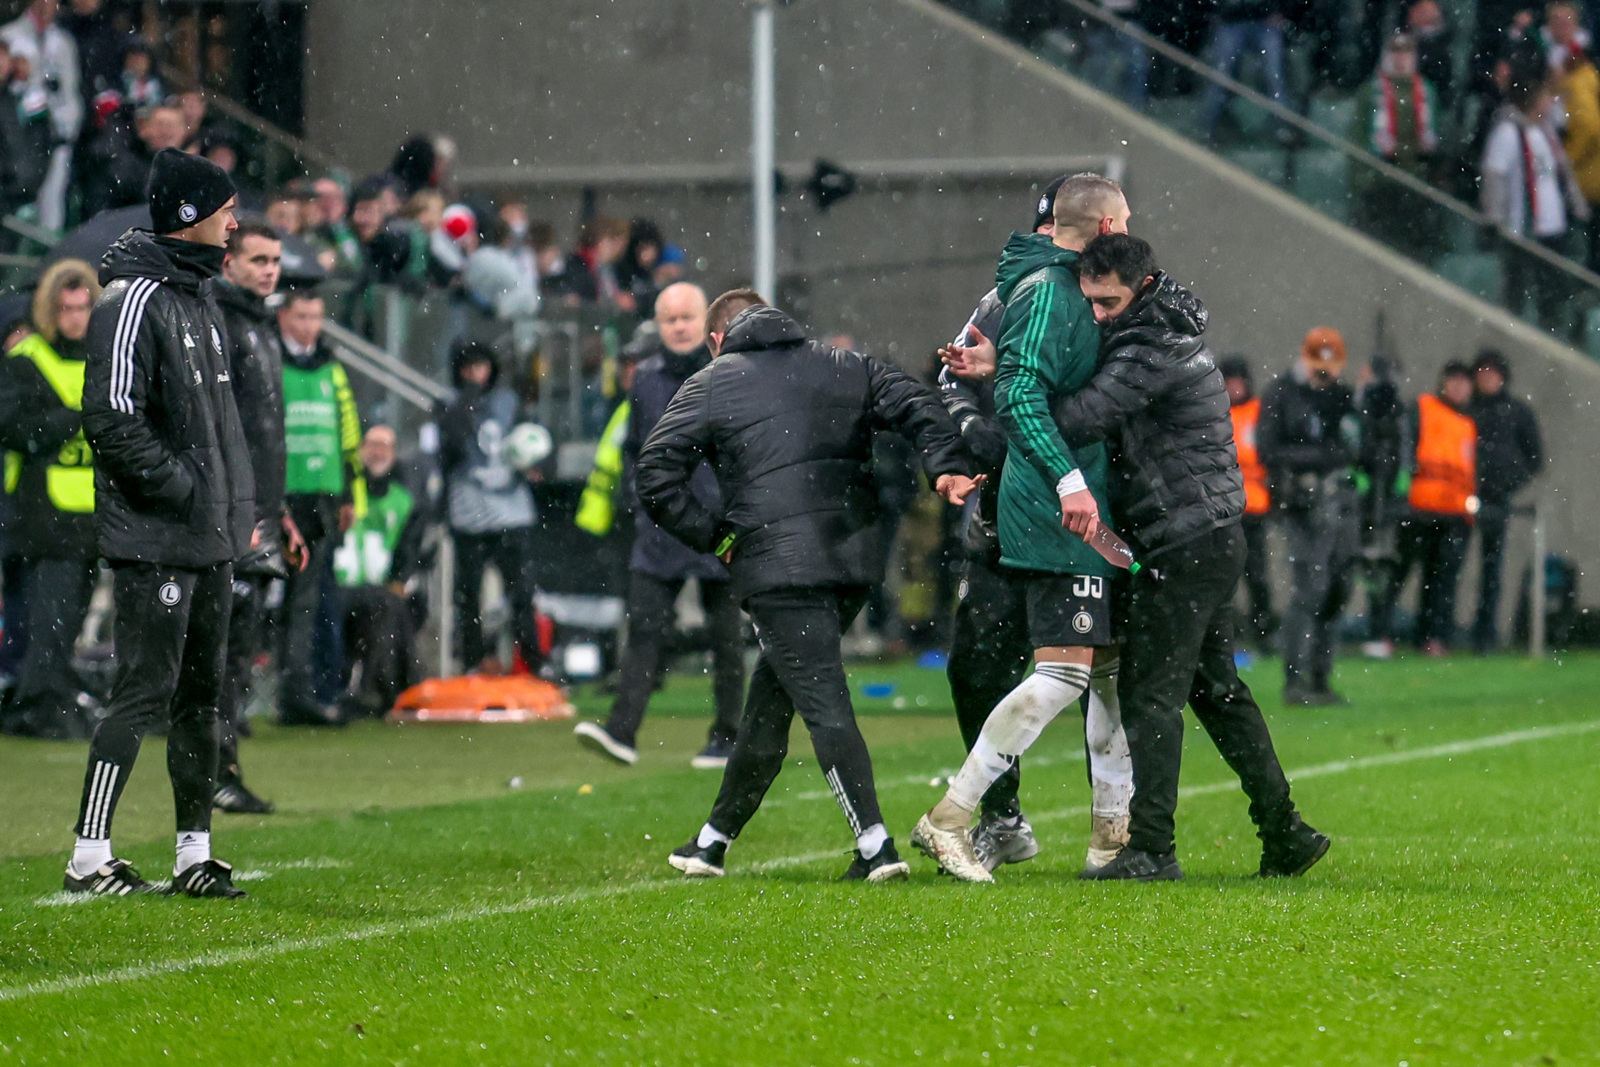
(1244, 409)
(786, 424)
(175, 506)
(49, 471)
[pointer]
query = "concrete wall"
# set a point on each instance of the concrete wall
(545, 93)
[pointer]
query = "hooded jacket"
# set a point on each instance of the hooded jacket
(172, 466)
(1160, 402)
(255, 355)
(786, 423)
(656, 552)
(1048, 348)
(483, 493)
(1305, 434)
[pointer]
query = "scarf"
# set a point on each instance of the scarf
(1386, 117)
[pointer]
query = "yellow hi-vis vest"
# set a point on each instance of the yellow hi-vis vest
(69, 481)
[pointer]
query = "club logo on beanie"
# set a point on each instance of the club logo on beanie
(183, 189)
(188, 213)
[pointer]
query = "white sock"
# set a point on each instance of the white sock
(1110, 766)
(194, 846)
(1013, 726)
(710, 834)
(89, 854)
(870, 843)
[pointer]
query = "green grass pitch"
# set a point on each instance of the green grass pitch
(408, 906)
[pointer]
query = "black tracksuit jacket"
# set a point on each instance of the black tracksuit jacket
(255, 356)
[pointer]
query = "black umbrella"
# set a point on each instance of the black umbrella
(90, 241)
(300, 266)
(14, 306)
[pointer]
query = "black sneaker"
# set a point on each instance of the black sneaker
(115, 879)
(235, 798)
(1131, 865)
(1294, 851)
(886, 866)
(714, 757)
(595, 738)
(213, 878)
(1000, 840)
(697, 862)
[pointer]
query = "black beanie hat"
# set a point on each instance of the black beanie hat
(1045, 209)
(184, 189)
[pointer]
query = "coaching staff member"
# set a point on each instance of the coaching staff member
(1177, 485)
(786, 424)
(175, 503)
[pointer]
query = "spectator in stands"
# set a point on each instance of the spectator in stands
(140, 86)
(25, 137)
(1426, 26)
(1523, 144)
(492, 280)
(641, 261)
(52, 71)
(118, 165)
(1441, 478)
(1309, 440)
(100, 46)
(50, 472)
(562, 278)
(1240, 27)
(1130, 60)
(220, 149)
(283, 213)
(378, 567)
(197, 120)
(601, 242)
(1245, 409)
(335, 229)
(1396, 115)
(322, 436)
(515, 215)
(441, 255)
(1510, 455)
(1577, 85)
(489, 504)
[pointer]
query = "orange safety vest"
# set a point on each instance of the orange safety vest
(1246, 416)
(1446, 478)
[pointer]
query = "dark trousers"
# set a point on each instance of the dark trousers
(990, 653)
(1492, 521)
(511, 552)
(1436, 545)
(1257, 578)
(244, 644)
(799, 670)
(298, 702)
(1322, 547)
(14, 589)
(650, 620)
(172, 645)
(45, 702)
(1179, 648)
(380, 635)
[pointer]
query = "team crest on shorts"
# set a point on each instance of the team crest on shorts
(170, 594)
(1083, 622)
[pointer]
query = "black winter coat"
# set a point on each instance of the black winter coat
(34, 423)
(1510, 451)
(172, 467)
(1303, 435)
(1160, 403)
(255, 359)
(787, 425)
(656, 552)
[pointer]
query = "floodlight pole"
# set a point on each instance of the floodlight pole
(763, 149)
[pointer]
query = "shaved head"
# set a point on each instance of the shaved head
(1088, 205)
(681, 317)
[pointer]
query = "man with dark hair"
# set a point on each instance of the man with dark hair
(989, 648)
(725, 308)
(1510, 455)
(174, 507)
(1244, 410)
(1178, 489)
(785, 422)
(250, 272)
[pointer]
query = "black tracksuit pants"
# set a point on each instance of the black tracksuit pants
(799, 670)
(511, 552)
(990, 653)
(650, 620)
(244, 643)
(1437, 546)
(45, 703)
(1179, 648)
(172, 644)
(380, 636)
(298, 703)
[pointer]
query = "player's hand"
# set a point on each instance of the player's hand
(1080, 514)
(975, 360)
(294, 545)
(955, 488)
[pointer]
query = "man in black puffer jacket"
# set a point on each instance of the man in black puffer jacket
(1160, 401)
(786, 424)
(174, 507)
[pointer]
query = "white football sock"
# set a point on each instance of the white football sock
(1013, 726)
(89, 854)
(870, 843)
(1110, 766)
(709, 835)
(194, 846)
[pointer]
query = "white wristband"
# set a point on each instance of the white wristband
(1072, 483)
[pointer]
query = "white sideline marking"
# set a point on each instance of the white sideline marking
(257, 953)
